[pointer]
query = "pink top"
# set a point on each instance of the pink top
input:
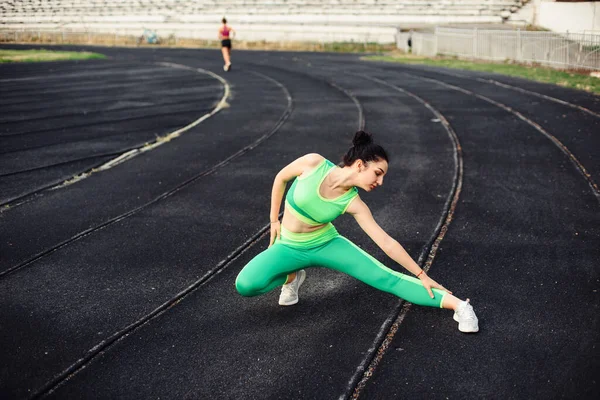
(225, 32)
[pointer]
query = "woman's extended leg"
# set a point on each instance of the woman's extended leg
(344, 256)
(270, 269)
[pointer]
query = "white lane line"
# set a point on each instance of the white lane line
(161, 139)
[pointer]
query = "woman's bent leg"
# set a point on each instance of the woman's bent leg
(269, 270)
(344, 256)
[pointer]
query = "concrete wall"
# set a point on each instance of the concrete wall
(572, 17)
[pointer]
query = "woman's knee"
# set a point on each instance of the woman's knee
(246, 287)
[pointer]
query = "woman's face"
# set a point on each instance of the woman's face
(370, 174)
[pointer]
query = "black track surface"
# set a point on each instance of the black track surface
(120, 285)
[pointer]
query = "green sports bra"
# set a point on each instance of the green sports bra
(307, 204)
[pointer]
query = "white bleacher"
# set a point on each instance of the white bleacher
(271, 20)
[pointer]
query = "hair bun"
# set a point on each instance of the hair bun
(362, 138)
(364, 149)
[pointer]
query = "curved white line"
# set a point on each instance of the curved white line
(160, 140)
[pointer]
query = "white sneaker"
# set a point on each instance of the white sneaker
(466, 318)
(289, 292)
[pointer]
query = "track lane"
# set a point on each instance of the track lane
(144, 173)
(565, 117)
(103, 279)
(223, 243)
(555, 121)
(98, 136)
(514, 177)
(577, 99)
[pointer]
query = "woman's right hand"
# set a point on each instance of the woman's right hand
(275, 232)
(429, 283)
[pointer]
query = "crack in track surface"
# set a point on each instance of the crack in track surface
(206, 172)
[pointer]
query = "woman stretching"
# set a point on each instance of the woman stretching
(226, 33)
(320, 193)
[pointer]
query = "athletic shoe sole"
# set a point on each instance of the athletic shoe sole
(464, 330)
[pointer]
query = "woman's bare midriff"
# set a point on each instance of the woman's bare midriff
(293, 224)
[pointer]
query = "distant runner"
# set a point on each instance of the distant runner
(305, 237)
(226, 33)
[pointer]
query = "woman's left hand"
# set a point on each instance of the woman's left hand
(275, 232)
(429, 284)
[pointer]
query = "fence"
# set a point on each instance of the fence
(558, 50)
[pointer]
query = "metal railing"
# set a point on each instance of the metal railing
(558, 50)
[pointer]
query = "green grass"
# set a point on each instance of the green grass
(581, 81)
(8, 56)
(354, 47)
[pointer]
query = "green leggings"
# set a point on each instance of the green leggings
(326, 248)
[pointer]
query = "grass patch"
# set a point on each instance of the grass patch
(9, 56)
(573, 79)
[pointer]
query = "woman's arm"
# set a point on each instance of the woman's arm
(289, 172)
(389, 245)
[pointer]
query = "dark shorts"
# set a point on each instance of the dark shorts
(226, 43)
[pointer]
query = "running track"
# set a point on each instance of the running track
(119, 284)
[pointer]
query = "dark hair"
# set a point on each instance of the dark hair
(224, 20)
(364, 149)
